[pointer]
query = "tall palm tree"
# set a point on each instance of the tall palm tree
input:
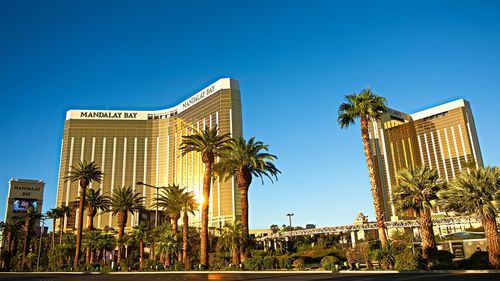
(84, 173)
(366, 106)
(124, 200)
(188, 205)
(210, 144)
(417, 191)
(140, 233)
(244, 160)
(474, 193)
(65, 212)
(230, 240)
(169, 200)
(29, 219)
(54, 214)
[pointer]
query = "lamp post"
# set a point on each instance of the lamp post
(40, 243)
(290, 218)
(155, 187)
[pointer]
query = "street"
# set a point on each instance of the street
(252, 276)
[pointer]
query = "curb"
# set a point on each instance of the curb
(260, 272)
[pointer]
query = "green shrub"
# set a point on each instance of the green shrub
(406, 260)
(253, 263)
(269, 262)
(329, 262)
(217, 263)
(284, 262)
(442, 260)
(298, 263)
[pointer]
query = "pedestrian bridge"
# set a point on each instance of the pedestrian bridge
(438, 222)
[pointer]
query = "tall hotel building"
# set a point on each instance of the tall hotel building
(443, 137)
(143, 146)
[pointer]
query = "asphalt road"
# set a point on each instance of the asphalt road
(254, 276)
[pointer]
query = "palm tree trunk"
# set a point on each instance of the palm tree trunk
(122, 221)
(376, 192)
(53, 232)
(204, 215)
(141, 254)
(235, 254)
(492, 240)
(244, 222)
(90, 227)
(185, 225)
(173, 220)
(25, 242)
(427, 235)
(61, 229)
(79, 226)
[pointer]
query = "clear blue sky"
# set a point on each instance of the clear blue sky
(295, 62)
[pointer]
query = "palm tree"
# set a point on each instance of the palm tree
(210, 144)
(29, 219)
(188, 205)
(167, 245)
(89, 241)
(169, 200)
(475, 193)
(53, 214)
(94, 201)
(366, 106)
(416, 192)
(123, 201)
(140, 233)
(106, 242)
(65, 213)
(230, 240)
(9, 230)
(84, 173)
(244, 160)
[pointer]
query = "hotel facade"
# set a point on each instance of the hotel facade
(442, 137)
(143, 146)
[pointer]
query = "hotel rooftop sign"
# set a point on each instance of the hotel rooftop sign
(221, 84)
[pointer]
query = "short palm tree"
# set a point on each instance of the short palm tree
(10, 230)
(28, 218)
(140, 234)
(94, 201)
(230, 240)
(65, 212)
(84, 173)
(166, 247)
(475, 193)
(366, 106)
(89, 241)
(417, 191)
(124, 200)
(188, 206)
(169, 200)
(244, 160)
(106, 242)
(210, 144)
(54, 214)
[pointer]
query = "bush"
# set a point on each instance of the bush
(253, 263)
(298, 264)
(479, 260)
(442, 260)
(329, 262)
(269, 262)
(284, 262)
(406, 260)
(217, 263)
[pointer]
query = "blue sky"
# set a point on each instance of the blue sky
(295, 61)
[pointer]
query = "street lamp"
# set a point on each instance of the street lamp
(290, 218)
(40, 244)
(155, 187)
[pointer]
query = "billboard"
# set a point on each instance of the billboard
(22, 204)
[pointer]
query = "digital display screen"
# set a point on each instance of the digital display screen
(21, 205)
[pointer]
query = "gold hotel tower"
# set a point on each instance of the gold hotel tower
(442, 137)
(143, 146)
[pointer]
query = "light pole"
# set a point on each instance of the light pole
(290, 218)
(155, 187)
(40, 244)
